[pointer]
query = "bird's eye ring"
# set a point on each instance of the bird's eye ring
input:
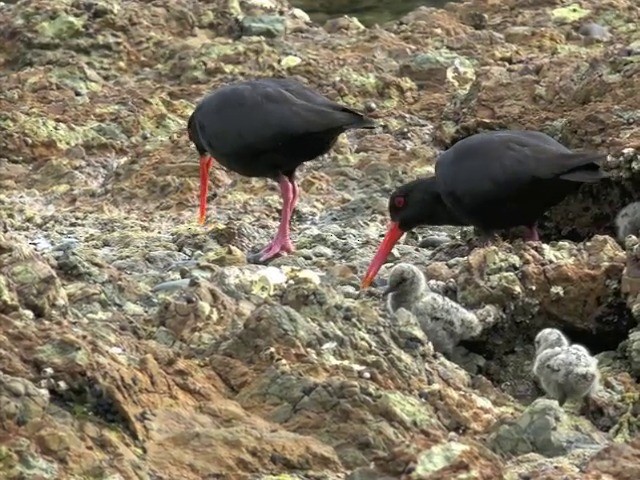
(399, 202)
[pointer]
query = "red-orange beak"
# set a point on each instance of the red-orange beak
(394, 233)
(205, 165)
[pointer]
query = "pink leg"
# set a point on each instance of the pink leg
(294, 198)
(282, 241)
(532, 234)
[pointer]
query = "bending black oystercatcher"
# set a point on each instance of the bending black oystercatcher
(491, 180)
(267, 128)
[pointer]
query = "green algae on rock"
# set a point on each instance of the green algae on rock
(437, 458)
(61, 27)
(407, 411)
(569, 13)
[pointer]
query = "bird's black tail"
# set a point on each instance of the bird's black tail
(366, 122)
(585, 167)
(357, 119)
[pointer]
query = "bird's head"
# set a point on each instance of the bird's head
(550, 338)
(412, 204)
(405, 278)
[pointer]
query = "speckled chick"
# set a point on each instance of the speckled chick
(564, 371)
(628, 221)
(443, 321)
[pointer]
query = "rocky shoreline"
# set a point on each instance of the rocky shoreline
(135, 344)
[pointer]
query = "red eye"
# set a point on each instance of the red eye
(399, 202)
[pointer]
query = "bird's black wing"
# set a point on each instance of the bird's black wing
(491, 168)
(259, 117)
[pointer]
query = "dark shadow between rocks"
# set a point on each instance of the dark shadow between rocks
(591, 211)
(86, 398)
(509, 352)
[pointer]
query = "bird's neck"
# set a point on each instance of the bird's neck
(404, 299)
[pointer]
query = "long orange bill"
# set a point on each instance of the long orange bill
(394, 233)
(205, 165)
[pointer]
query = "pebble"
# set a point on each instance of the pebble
(433, 241)
(370, 106)
(344, 23)
(347, 291)
(594, 31)
(321, 251)
(300, 15)
(131, 308)
(172, 285)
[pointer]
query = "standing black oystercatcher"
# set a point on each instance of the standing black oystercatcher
(491, 180)
(267, 128)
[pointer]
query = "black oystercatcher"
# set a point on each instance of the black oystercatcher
(267, 128)
(491, 180)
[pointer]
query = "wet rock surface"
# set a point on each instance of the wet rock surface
(136, 344)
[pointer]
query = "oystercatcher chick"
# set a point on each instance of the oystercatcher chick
(628, 221)
(565, 372)
(267, 128)
(444, 322)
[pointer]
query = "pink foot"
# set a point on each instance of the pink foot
(274, 249)
(282, 242)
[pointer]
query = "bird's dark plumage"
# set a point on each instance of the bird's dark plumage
(503, 179)
(491, 180)
(267, 128)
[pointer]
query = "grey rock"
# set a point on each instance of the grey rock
(269, 26)
(20, 400)
(433, 241)
(172, 285)
(594, 31)
(546, 429)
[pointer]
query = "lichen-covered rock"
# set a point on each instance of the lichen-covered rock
(617, 461)
(30, 280)
(445, 459)
(433, 70)
(21, 402)
(546, 429)
(562, 283)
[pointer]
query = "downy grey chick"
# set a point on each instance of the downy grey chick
(443, 321)
(564, 371)
(628, 221)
